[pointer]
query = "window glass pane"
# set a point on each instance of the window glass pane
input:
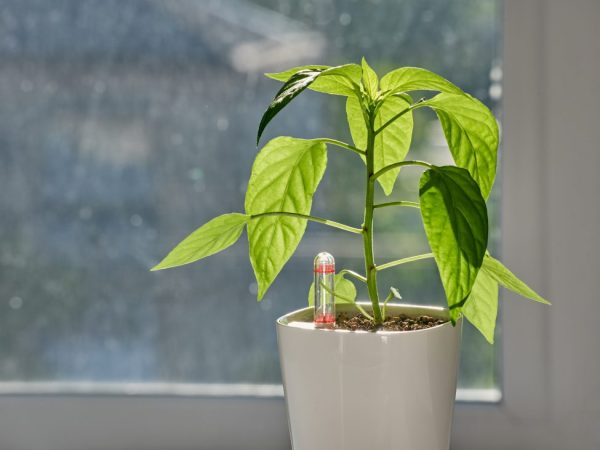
(124, 125)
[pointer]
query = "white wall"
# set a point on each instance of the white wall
(551, 225)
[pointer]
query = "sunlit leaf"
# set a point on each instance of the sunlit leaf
(344, 291)
(369, 79)
(481, 308)
(392, 144)
(210, 238)
(408, 79)
(456, 223)
(472, 135)
(284, 177)
(496, 270)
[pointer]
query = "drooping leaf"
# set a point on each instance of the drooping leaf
(339, 80)
(472, 135)
(369, 79)
(291, 89)
(285, 175)
(392, 144)
(408, 79)
(344, 290)
(212, 237)
(481, 308)
(500, 273)
(456, 223)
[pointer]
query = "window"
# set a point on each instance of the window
(125, 125)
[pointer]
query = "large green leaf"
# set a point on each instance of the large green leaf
(369, 79)
(481, 308)
(291, 89)
(210, 238)
(472, 134)
(496, 270)
(456, 223)
(339, 80)
(392, 144)
(344, 290)
(408, 79)
(285, 175)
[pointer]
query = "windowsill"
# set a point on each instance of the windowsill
(166, 389)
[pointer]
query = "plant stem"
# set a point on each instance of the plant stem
(327, 222)
(403, 261)
(400, 203)
(341, 144)
(368, 222)
(352, 273)
(400, 164)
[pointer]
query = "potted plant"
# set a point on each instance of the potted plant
(377, 389)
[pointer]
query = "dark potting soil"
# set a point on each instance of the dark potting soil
(391, 323)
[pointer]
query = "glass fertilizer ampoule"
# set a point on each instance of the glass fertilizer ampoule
(324, 273)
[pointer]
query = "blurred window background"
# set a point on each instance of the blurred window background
(126, 124)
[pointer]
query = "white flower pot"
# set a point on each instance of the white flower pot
(369, 391)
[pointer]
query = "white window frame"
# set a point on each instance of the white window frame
(525, 418)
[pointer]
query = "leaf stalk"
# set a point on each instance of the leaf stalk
(327, 222)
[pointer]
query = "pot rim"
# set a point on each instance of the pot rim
(437, 311)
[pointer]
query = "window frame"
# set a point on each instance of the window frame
(46, 419)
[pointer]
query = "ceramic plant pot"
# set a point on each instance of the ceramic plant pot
(369, 391)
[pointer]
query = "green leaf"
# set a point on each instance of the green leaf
(340, 80)
(496, 270)
(481, 308)
(369, 79)
(210, 238)
(392, 144)
(472, 135)
(291, 89)
(344, 291)
(408, 79)
(285, 75)
(456, 223)
(285, 175)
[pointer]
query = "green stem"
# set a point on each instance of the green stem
(400, 203)
(368, 221)
(352, 273)
(400, 164)
(403, 261)
(341, 144)
(389, 297)
(327, 222)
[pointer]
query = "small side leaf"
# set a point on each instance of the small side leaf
(291, 89)
(392, 144)
(481, 308)
(456, 223)
(369, 79)
(210, 238)
(472, 135)
(408, 79)
(496, 270)
(344, 291)
(285, 175)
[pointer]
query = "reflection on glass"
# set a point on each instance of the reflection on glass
(124, 125)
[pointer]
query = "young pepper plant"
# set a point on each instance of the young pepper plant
(452, 199)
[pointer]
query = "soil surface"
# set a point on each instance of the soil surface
(392, 323)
